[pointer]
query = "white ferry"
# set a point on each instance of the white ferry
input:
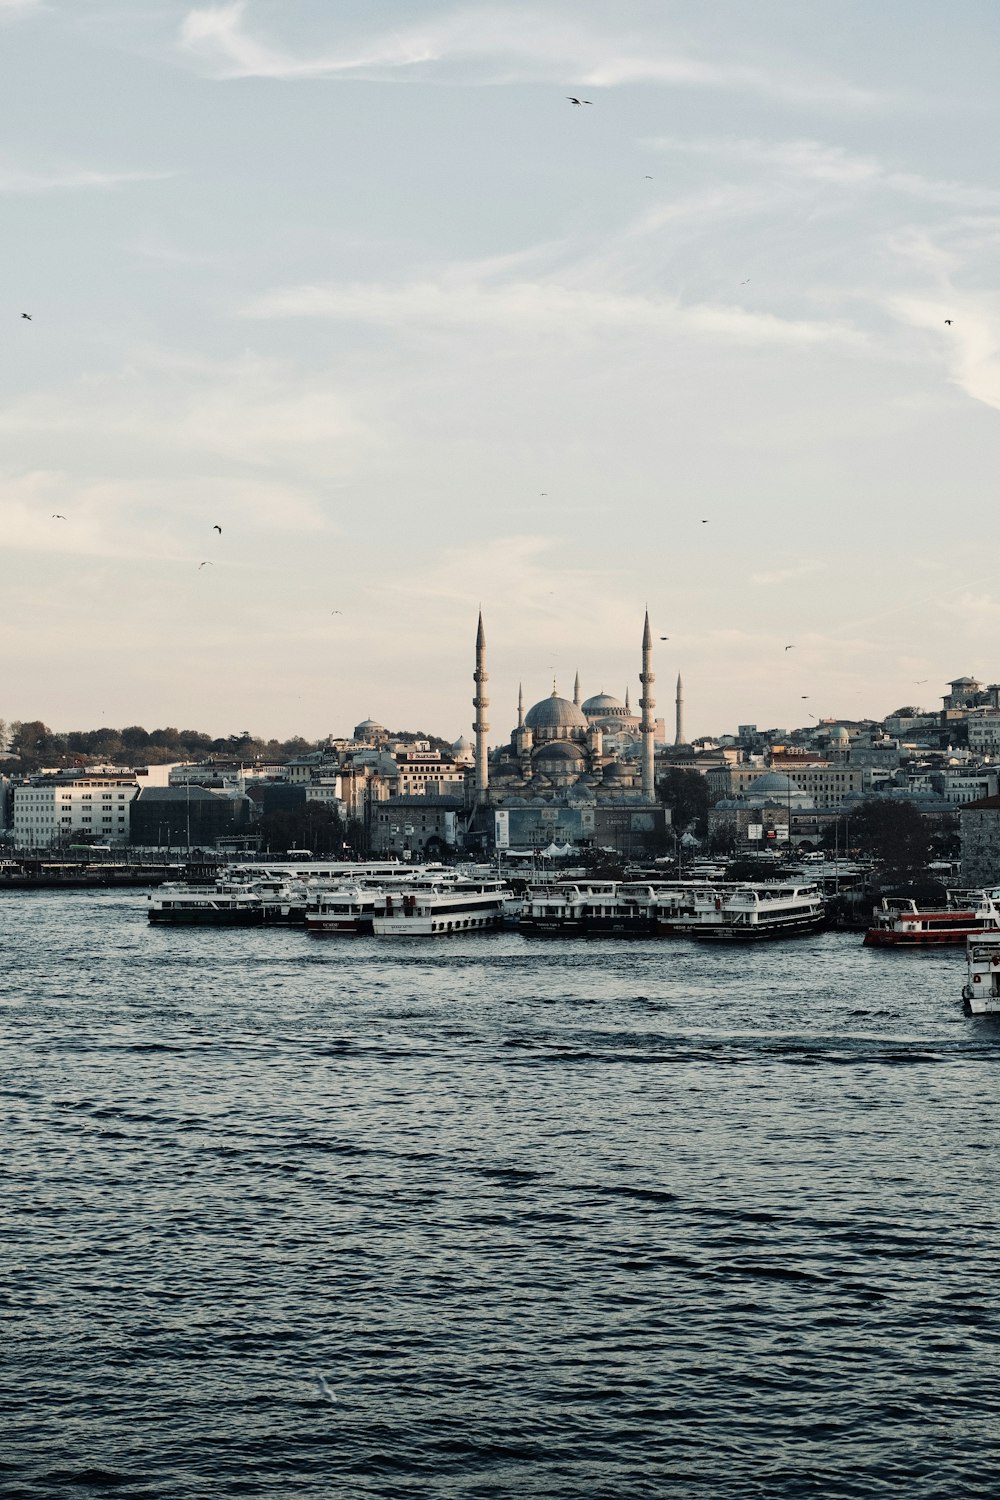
(460, 906)
(350, 909)
(561, 910)
(981, 992)
(753, 913)
(898, 922)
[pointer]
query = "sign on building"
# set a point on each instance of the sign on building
(501, 830)
(755, 830)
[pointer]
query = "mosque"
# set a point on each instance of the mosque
(573, 772)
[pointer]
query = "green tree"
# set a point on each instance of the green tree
(892, 831)
(686, 794)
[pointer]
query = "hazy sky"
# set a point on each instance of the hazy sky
(357, 283)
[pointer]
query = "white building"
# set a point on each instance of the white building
(51, 809)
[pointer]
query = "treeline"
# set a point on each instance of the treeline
(38, 745)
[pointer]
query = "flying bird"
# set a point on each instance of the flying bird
(218, 529)
(664, 637)
(704, 523)
(918, 681)
(57, 517)
(647, 178)
(336, 611)
(572, 100)
(745, 283)
(326, 1390)
(948, 321)
(804, 697)
(26, 315)
(791, 647)
(205, 565)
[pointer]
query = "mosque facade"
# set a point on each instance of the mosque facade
(572, 772)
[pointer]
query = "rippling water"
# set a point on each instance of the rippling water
(553, 1219)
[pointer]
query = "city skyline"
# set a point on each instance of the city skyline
(422, 336)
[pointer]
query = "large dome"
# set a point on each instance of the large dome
(603, 706)
(775, 786)
(554, 713)
(559, 750)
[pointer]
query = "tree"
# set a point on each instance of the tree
(892, 831)
(686, 794)
(313, 826)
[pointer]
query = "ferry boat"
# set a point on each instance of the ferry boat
(219, 905)
(981, 992)
(229, 903)
(898, 922)
(461, 906)
(755, 913)
(561, 910)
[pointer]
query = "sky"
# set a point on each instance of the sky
(359, 285)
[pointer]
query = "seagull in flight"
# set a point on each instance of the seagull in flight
(57, 517)
(664, 637)
(948, 321)
(791, 647)
(745, 283)
(26, 315)
(918, 681)
(704, 523)
(573, 100)
(336, 611)
(218, 529)
(326, 1389)
(804, 696)
(205, 565)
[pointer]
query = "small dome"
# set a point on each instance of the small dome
(368, 728)
(617, 772)
(603, 706)
(839, 734)
(554, 713)
(461, 749)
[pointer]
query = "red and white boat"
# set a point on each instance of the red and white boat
(898, 922)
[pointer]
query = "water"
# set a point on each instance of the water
(552, 1219)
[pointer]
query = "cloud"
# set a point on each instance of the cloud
(252, 410)
(18, 180)
(813, 161)
(492, 44)
(544, 307)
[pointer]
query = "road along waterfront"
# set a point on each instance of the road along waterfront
(561, 1219)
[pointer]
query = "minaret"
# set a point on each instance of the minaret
(520, 706)
(679, 736)
(481, 703)
(628, 706)
(647, 703)
(576, 690)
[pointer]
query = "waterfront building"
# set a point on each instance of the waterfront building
(187, 817)
(50, 810)
(425, 827)
(980, 833)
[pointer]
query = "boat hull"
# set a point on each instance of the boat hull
(758, 932)
(207, 918)
(877, 937)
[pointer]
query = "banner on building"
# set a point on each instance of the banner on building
(501, 830)
(755, 830)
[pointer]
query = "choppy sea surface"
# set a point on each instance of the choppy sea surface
(551, 1219)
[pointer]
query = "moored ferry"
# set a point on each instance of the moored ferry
(461, 906)
(561, 910)
(755, 913)
(898, 922)
(223, 904)
(981, 991)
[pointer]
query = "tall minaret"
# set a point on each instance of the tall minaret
(679, 736)
(520, 706)
(647, 703)
(576, 690)
(481, 703)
